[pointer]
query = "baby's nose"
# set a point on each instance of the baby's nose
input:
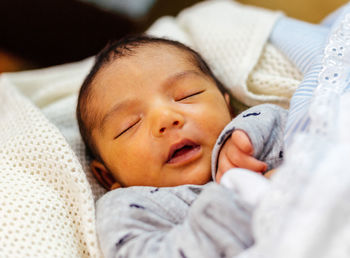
(162, 130)
(167, 120)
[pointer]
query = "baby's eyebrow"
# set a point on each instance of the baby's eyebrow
(115, 109)
(177, 76)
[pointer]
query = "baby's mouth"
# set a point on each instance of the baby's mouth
(183, 152)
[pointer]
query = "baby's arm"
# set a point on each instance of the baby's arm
(184, 221)
(252, 140)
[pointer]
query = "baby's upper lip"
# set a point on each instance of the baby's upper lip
(179, 145)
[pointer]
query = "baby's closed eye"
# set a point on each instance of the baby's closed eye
(127, 128)
(189, 95)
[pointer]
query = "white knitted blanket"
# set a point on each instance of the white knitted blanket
(47, 206)
(46, 198)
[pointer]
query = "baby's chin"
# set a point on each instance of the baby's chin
(200, 179)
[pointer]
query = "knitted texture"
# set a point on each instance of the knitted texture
(54, 90)
(47, 207)
(274, 75)
(232, 38)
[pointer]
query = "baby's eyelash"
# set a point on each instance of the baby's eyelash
(124, 131)
(191, 95)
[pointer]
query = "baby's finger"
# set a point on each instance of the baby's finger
(223, 165)
(242, 160)
(242, 141)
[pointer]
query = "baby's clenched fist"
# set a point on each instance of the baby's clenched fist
(237, 153)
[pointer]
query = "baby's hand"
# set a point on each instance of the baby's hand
(237, 153)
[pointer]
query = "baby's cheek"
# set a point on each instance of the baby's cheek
(216, 127)
(137, 155)
(129, 156)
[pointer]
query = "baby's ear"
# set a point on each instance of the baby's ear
(104, 177)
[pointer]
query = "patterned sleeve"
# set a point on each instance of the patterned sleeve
(171, 222)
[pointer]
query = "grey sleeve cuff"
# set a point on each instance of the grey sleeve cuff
(264, 125)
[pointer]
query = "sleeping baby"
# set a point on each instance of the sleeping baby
(159, 126)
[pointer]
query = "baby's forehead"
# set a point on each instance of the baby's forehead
(156, 59)
(149, 51)
(161, 47)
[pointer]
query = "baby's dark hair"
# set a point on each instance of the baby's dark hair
(118, 49)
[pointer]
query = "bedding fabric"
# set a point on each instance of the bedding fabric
(47, 200)
(47, 207)
(305, 213)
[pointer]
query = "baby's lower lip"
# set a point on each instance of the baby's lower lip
(186, 156)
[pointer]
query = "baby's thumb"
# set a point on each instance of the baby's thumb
(242, 141)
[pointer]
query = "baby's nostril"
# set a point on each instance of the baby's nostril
(162, 130)
(176, 123)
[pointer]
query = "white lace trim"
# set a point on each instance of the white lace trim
(307, 204)
(333, 79)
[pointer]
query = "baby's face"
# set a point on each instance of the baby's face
(160, 118)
